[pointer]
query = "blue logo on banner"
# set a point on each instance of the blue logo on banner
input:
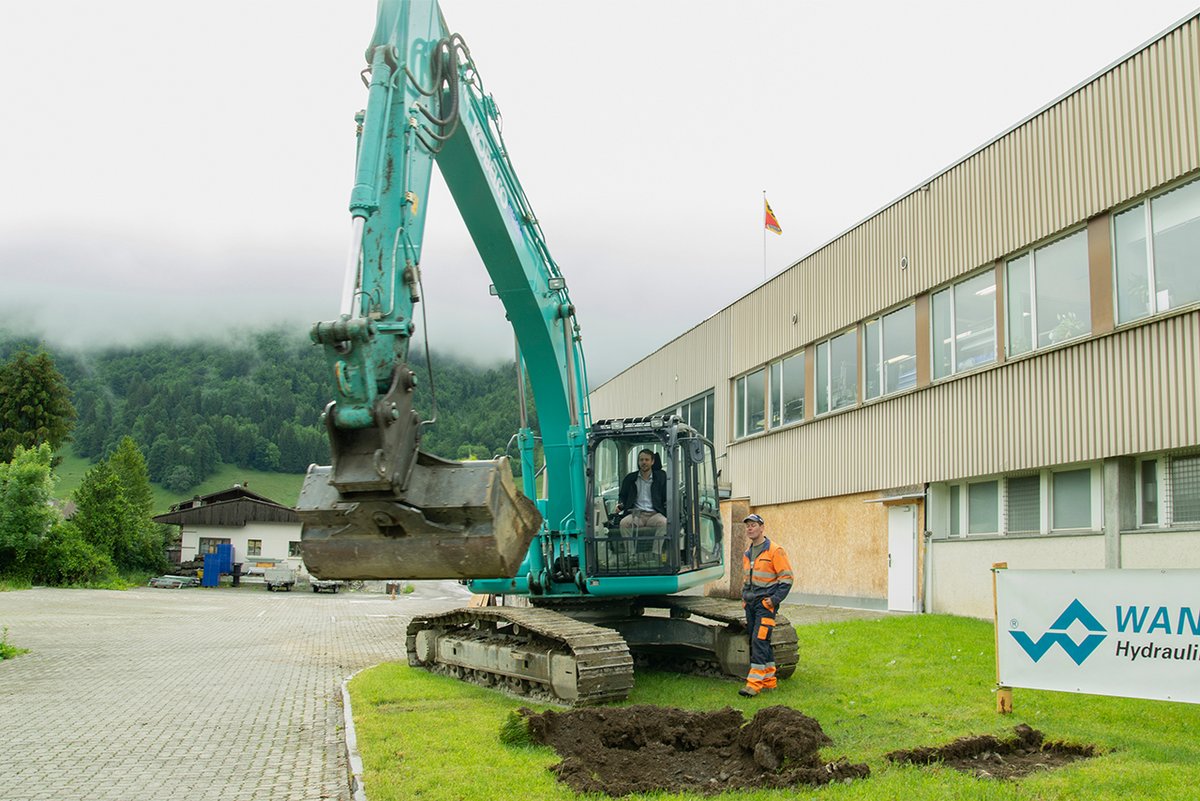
(1057, 633)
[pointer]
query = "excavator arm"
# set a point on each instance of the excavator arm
(384, 508)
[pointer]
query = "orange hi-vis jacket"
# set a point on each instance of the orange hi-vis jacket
(770, 575)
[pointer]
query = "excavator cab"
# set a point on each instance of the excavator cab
(624, 541)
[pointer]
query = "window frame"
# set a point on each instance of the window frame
(1151, 275)
(827, 388)
(961, 487)
(954, 333)
(709, 398)
(741, 409)
(1032, 332)
(776, 393)
(1095, 499)
(880, 322)
(1164, 486)
(771, 394)
(212, 542)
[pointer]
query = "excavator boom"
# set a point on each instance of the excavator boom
(384, 508)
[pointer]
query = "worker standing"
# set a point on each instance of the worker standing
(768, 581)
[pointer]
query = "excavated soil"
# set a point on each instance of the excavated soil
(645, 748)
(991, 758)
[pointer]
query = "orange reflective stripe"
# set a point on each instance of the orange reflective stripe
(764, 632)
(767, 621)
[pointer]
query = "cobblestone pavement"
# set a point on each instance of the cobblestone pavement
(190, 694)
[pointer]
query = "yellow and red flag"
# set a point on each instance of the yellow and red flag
(770, 222)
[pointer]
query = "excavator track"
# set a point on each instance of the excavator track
(732, 615)
(527, 651)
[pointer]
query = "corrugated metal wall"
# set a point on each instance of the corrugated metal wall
(1135, 391)
(1132, 129)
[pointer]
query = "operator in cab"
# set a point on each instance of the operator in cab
(644, 495)
(768, 582)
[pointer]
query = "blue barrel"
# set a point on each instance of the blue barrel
(225, 557)
(212, 570)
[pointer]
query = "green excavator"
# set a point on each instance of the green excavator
(581, 597)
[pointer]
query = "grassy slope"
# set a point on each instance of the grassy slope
(283, 488)
(875, 686)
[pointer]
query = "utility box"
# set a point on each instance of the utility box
(225, 557)
(212, 570)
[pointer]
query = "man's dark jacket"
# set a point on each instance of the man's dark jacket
(658, 490)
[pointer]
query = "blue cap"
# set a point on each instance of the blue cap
(755, 518)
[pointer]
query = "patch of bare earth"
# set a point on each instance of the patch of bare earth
(645, 748)
(988, 757)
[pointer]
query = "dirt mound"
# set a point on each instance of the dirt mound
(645, 748)
(989, 757)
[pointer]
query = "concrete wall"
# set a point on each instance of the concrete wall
(960, 569)
(1161, 549)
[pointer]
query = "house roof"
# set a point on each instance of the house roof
(235, 506)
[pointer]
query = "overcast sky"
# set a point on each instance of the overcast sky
(182, 170)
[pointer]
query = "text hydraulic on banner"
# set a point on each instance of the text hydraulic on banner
(1131, 633)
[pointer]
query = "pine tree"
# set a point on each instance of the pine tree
(130, 466)
(35, 403)
(112, 522)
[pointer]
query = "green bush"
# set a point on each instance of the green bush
(66, 558)
(7, 650)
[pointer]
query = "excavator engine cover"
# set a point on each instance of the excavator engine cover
(459, 520)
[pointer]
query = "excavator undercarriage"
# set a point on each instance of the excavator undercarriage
(578, 652)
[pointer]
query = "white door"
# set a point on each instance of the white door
(902, 558)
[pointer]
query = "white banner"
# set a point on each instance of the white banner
(1130, 633)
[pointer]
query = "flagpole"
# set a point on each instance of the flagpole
(764, 230)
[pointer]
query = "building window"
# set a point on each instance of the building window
(1023, 504)
(1148, 494)
(209, 544)
(955, 500)
(837, 372)
(1047, 295)
(1185, 489)
(1169, 490)
(253, 547)
(983, 507)
(786, 387)
(1159, 271)
(1071, 499)
(890, 353)
(749, 404)
(964, 325)
(696, 412)
(293, 548)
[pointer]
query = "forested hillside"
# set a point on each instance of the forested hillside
(192, 407)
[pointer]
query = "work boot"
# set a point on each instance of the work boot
(747, 692)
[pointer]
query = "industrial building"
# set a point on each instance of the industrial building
(1003, 365)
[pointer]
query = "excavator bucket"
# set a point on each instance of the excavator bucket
(457, 520)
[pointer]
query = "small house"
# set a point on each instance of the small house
(258, 528)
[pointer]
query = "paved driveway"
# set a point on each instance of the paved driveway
(189, 694)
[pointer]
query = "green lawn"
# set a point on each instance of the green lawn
(875, 686)
(283, 488)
